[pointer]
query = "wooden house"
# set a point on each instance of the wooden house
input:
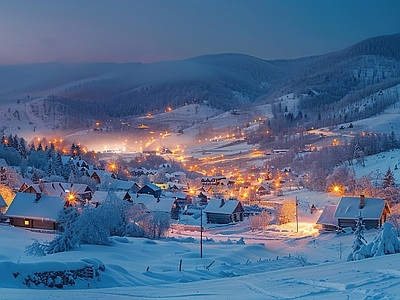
(35, 211)
(326, 221)
(222, 211)
(150, 189)
(373, 211)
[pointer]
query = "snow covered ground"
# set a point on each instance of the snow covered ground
(278, 263)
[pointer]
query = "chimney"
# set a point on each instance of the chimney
(38, 196)
(222, 203)
(362, 201)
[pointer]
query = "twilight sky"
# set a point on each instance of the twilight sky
(156, 30)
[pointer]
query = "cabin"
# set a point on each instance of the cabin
(326, 221)
(35, 211)
(373, 211)
(222, 211)
(150, 189)
(263, 190)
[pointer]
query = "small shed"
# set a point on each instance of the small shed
(35, 211)
(373, 211)
(150, 189)
(326, 219)
(222, 211)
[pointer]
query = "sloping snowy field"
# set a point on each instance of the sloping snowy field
(279, 263)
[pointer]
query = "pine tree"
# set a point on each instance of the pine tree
(359, 248)
(388, 180)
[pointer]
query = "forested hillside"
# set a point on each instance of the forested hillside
(224, 81)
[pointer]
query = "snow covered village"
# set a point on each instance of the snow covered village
(199, 150)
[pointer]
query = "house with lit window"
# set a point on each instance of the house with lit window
(35, 211)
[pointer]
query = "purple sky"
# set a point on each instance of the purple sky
(157, 30)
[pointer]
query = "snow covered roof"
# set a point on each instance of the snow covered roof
(349, 208)
(152, 186)
(221, 206)
(2, 202)
(101, 196)
(117, 184)
(61, 188)
(326, 218)
(164, 204)
(24, 205)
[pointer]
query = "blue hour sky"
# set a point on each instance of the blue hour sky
(157, 30)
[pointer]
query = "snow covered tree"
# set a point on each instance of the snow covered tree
(286, 212)
(261, 220)
(385, 242)
(388, 180)
(359, 248)
(158, 224)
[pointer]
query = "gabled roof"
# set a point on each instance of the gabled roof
(61, 188)
(25, 206)
(164, 204)
(326, 218)
(227, 207)
(152, 186)
(349, 208)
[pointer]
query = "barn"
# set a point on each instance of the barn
(222, 211)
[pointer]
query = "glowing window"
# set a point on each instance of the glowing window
(26, 222)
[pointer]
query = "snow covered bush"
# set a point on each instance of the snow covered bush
(260, 221)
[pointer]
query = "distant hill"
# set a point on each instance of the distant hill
(225, 81)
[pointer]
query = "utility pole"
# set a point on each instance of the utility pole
(297, 216)
(201, 233)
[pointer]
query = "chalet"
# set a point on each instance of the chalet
(150, 189)
(222, 211)
(326, 221)
(35, 211)
(164, 204)
(373, 211)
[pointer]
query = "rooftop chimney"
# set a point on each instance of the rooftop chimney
(362, 201)
(38, 196)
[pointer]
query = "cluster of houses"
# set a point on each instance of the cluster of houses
(36, 205)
